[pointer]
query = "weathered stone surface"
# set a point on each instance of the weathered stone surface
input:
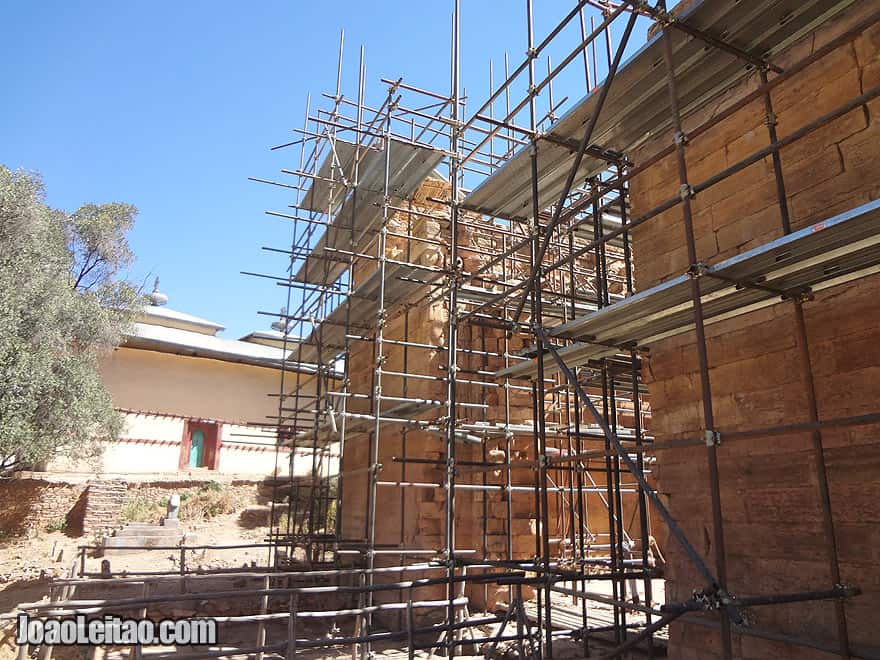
(775, 539)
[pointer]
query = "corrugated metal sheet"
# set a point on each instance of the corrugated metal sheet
(637, 106)
(409, 166)
(828, 253)
(401, 282)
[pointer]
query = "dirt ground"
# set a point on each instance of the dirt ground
(27, 565)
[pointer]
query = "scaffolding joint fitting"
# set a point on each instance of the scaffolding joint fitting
(723, 598)
(803, 295)
(770, 119)
(706, 599)
(847, 590)
(685, 192)
(681, 138)
(713, 438)
(532, 53)
(697, 270)
(665, 18)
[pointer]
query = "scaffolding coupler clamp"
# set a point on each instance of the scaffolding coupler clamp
(713, 438)
(697, 270)
(770, 119)
(847, 590)
(686, 191)
(802, 295)
(711, 598)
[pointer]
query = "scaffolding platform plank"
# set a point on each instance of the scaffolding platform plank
(834, 251)
(409, 165)
(637, 106)
(402, 282)
(328, 433)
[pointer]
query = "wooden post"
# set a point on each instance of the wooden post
(182, 569)
(261, 629)
(291, 627)
(409, 629)
(46, 649)
(136, 651)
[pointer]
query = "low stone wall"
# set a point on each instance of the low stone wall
(32, 506)
(46, 503)
(241, 489)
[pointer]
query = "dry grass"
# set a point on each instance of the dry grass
(203, 503)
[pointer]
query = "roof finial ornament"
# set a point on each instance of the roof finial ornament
(157, 298)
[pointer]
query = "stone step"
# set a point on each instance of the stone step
(171, 522)
(129, 542)
(149, 530)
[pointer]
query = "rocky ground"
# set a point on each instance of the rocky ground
(27, 564)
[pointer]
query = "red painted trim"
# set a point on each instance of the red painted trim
(212, 443)
(212, 446)
(185, 446)
(230, 445)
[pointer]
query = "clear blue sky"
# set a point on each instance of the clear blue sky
(170, 106)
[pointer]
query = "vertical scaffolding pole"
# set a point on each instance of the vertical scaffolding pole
(539, 425)
(706, 386)
(381, 318)
(452, 326)
(806, 364)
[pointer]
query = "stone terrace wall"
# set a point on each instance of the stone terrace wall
(770, 498)
(103, 506)
(32, 506)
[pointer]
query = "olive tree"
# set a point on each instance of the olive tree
(63, 304)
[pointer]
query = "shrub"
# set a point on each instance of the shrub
(208, 501)
(142, 509)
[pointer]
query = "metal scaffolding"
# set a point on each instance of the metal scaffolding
(538, 254)
(515, 229)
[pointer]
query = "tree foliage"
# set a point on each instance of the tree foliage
(62, 306)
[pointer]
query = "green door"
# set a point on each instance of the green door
(197, 448)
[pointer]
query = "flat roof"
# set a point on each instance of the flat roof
(152, 337)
